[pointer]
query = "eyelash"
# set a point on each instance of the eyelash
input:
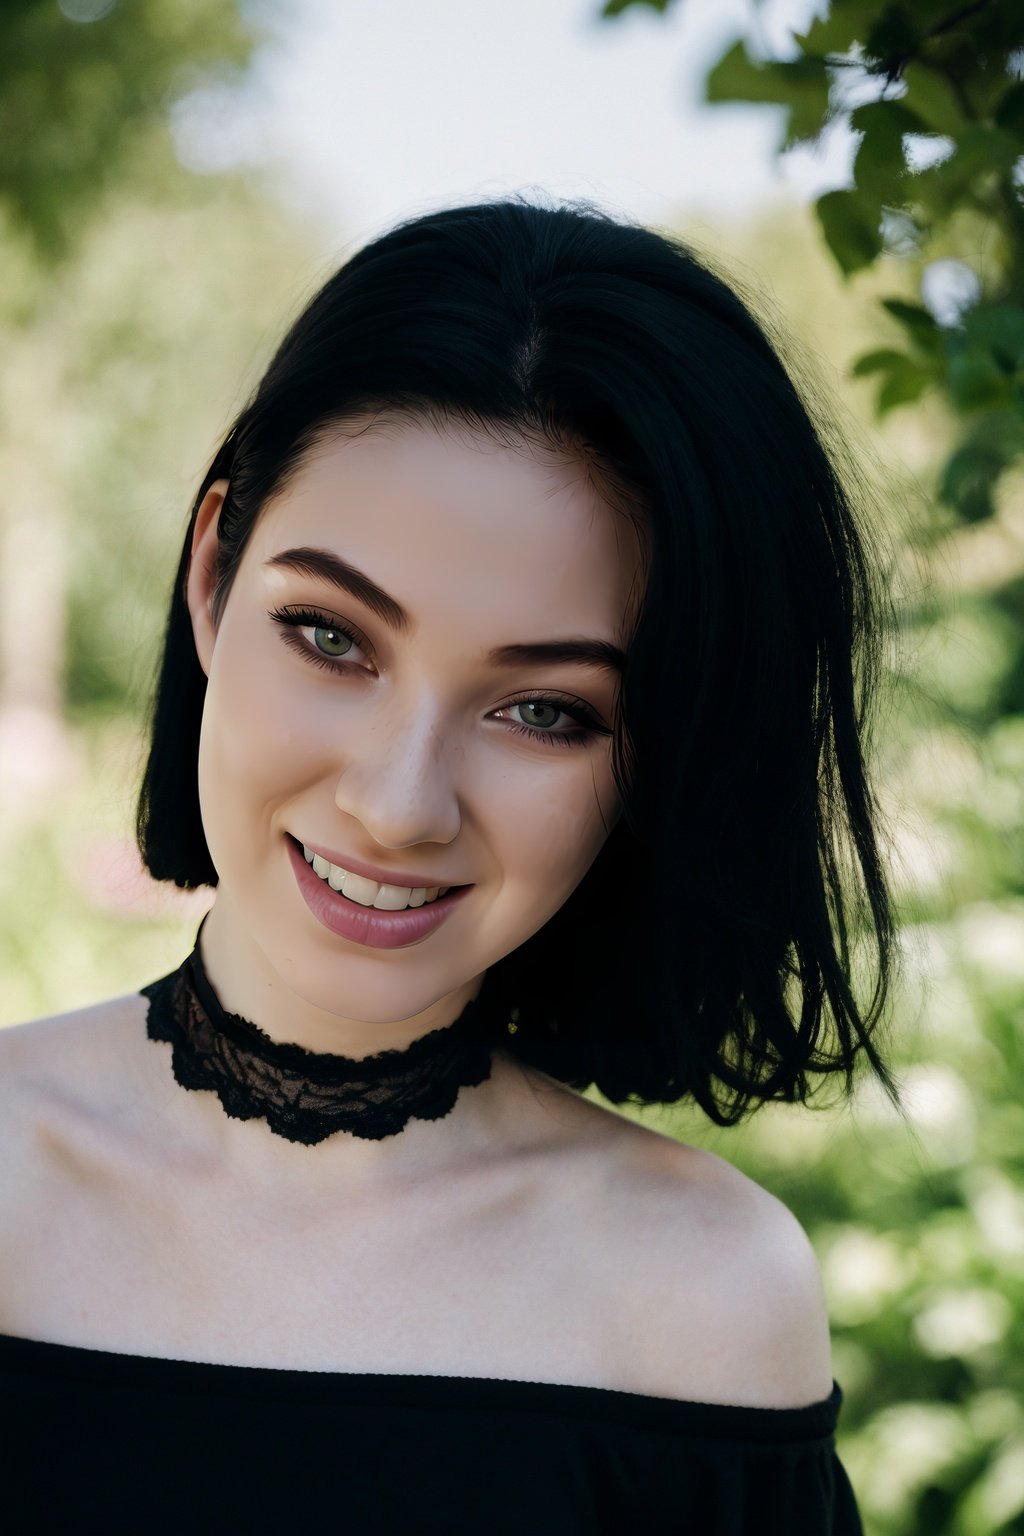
(293, 619)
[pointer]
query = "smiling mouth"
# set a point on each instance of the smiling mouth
(370, 925)
(368, 894)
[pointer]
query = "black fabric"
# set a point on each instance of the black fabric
(93, 1441)
(306, 1096)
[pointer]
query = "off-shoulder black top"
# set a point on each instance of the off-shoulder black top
(95, 1441)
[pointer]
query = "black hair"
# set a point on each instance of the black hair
(709, 952)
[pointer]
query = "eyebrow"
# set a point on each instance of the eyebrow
(323, 565)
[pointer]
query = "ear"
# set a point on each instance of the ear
(202, 571)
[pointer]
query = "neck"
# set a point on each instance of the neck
(487, 1120)
(487, 1125)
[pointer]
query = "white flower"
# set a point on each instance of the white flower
(960, 1322)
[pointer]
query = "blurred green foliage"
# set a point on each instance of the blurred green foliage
(138, 304)
(80, 97)
(935, 92)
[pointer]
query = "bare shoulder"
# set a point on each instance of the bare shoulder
(60, 1074)
(49, 1049)
(724, 1300)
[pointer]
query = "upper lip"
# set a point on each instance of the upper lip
(382, 877)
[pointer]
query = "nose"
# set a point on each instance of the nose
(396, 780)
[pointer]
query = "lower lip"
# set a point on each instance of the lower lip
(368, 925)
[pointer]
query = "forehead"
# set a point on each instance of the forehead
(450, 515)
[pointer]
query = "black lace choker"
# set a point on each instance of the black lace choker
(304, 1095)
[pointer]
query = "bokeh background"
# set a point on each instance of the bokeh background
(178, 176)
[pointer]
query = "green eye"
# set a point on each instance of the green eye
(334, 638)
(534, 708)
(332, 641)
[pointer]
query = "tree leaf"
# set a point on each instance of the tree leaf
(932, 97)
(736, 77)
(918, 322)
(903, 384)
(839, 29)
(1010, 111)
(891, 119)
(807, 90)
(905, 377)
(981, 153)
(999, 329)
(852, 232)
(616, 7)
(880, 164)
(893, 33)
(874, 362)
(976, 379)
(800, 84)
(968, 482)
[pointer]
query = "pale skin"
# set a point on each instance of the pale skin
(529, 1234)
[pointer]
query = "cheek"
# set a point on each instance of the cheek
(253, 731)
(551, 826)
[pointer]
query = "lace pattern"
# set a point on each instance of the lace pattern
(306, 1096)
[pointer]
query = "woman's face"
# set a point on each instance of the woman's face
(406, 728)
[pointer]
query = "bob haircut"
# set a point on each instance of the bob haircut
(706, 953)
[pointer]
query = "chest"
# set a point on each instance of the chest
(509, 1273)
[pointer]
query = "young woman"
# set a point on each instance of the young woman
(510, 703)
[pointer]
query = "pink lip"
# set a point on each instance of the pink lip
(367, 925)
(382, 877)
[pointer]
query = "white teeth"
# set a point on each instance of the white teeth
(357, 888)
(368, 893)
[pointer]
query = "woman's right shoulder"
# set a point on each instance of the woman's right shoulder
(59, 1071)
(40, 1052)
(68, 1084)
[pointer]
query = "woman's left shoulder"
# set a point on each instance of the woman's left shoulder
(725, 1301)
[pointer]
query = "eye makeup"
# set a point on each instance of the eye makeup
(291, 620)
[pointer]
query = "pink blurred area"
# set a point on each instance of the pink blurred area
(109, 872)
(45, 767)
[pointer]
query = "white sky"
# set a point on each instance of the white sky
(373, 110)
